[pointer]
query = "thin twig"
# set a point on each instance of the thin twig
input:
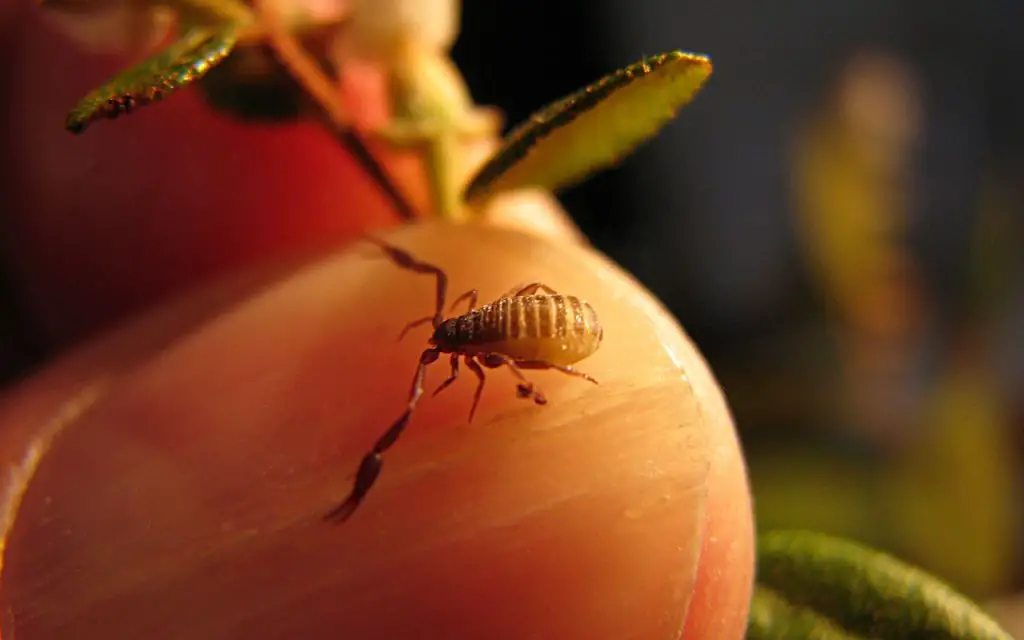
(308, 73)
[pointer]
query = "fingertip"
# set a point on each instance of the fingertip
(231, 442)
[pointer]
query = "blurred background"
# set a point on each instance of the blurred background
(837, 222)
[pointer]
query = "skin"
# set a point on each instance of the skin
(169, 476)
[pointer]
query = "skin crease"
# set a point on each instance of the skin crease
(215, 429)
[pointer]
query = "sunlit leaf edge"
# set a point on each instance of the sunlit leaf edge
(179, 65)
(594, 127)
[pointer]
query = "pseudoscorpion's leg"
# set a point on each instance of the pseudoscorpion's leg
(474, 366)
(533, 288)
(452, 377)
(372, 462)
(525, 388)
(528, 289)
(415, 323)
(405, 260)
(472, 295)
(540, 364)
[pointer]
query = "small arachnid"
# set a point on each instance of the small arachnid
(530, 327)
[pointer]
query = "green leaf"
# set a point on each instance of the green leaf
(178, 66)
(816, 586)
(592, 128)
(771, 616)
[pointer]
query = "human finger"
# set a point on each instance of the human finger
(195, 480)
